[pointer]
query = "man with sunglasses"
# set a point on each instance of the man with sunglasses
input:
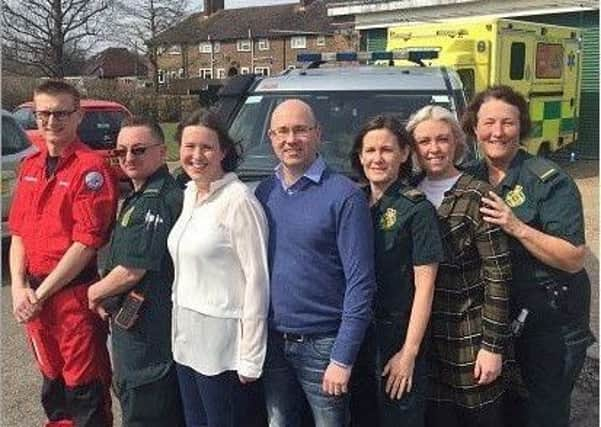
(140, 274)
(62, 211)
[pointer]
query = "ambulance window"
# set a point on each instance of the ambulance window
(518, 56)
(549, 61)
(468, 79)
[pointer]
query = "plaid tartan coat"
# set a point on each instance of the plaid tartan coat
(471, 300)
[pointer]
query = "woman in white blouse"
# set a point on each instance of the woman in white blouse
(221, 288)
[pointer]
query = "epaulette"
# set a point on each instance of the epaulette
(413, 194)
(543, 168)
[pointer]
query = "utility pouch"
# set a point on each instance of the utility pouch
(130, 310)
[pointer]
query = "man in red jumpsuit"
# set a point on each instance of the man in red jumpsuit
(62, 211)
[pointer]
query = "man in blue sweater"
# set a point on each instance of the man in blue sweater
(322, 275)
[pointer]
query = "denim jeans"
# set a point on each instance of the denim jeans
(294, 368)
(550, 362)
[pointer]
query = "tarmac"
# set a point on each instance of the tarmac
(20, 380)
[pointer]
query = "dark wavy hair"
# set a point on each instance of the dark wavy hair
(208, 119)
(503, 93)
(390, 123)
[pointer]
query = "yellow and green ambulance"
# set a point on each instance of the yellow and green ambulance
(541, 61)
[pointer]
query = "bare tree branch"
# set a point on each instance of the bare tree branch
(50, 31)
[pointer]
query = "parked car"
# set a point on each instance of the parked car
(15, 146)
(98, 129)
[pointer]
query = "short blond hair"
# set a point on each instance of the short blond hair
(437, 113)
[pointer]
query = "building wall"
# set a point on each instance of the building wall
(278, 57)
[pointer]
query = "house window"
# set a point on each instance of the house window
(161, 75)
(243, 45)
(175, 50)
(204, 47)
(160, 50)
(180, 73)
(205, 73)
(263, 44)
(221, 73)
(321, 41)
(299, 42)
(244, 70)
(262, 71)
(216, 47)
(172, 74)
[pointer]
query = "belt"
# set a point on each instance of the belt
(289, 336)
(85, 276)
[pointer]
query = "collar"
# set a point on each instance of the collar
(215, 185)
(389, 197)
(313, 173)
(68, 151)
(513, 171)
(154, 182)
(450, 196)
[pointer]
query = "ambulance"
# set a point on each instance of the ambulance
(543, 62)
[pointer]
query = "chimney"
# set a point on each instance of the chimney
(212, 6)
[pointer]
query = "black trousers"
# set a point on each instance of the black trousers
(448, 414)
(549, 362)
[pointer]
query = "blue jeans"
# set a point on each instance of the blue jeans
(294, 368)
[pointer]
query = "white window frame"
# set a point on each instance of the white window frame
(216, 47)
(161, 75)
(298, 42)
(263, 44)
(320, 41)
(221, 73)
(244, 70)
(204, 72)
(243, 45)
(180, 73)
(204, 47)
(259, 70)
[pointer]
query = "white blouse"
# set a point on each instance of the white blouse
(221, 287)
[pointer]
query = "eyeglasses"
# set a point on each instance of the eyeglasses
(44, 115)
(137, 151)
(284, 131)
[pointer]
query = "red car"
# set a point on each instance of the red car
(98, 129)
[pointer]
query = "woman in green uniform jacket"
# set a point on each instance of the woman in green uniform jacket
(471, 300)
(539, 207)
(408, 249)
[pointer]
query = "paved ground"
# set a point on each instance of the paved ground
(19, 382)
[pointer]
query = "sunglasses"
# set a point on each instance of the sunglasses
(137, 151)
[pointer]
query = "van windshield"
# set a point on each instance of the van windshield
(340, 115)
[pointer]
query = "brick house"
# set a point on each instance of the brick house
(219, 42)
(115, 62)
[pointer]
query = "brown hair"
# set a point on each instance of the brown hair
(209, 119)
(390, 123)
(505, 94)
(58, 87)
(147, 122)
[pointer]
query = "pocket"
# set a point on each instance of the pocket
(322, 346)
(576, 342)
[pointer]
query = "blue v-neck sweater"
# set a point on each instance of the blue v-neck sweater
(321, 259)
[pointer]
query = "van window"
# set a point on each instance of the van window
(518, 61)
(468, 79)
(549, 61)
(340, 114)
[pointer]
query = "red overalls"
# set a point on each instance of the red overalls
(77, 204)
